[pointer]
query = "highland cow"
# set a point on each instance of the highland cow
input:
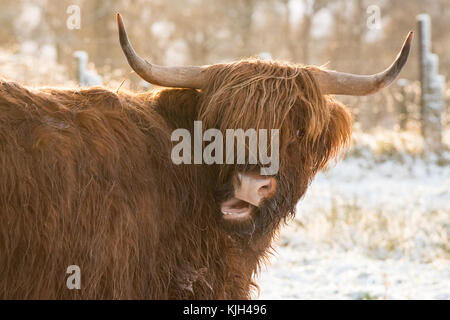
(86, 178)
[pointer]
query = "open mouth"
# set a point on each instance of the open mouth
(236, 209)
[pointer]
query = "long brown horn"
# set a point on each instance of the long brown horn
(333, 82)
(181, 77)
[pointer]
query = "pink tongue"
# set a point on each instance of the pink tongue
(234, 210)
(232, 206)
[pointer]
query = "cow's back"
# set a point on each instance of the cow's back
(78, 174)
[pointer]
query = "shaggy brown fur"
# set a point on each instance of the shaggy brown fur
(271, 95)
(86, 179)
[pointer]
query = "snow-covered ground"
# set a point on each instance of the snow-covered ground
(368, 228)
(314, 271)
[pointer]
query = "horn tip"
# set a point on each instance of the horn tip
(409, 39)
(123, 38)
(410, 36)
(119, 19)
(407, 44)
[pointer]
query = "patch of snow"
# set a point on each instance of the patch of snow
(367, 229)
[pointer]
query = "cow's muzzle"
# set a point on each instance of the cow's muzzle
(250, 189)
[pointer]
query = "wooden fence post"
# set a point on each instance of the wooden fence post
(432, 93)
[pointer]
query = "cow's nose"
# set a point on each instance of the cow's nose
(253, 188)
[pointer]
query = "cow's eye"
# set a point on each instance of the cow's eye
(300, 133)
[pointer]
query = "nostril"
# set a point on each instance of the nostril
(268, 189)
(254, 188)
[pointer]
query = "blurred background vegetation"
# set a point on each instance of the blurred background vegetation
(332, 32)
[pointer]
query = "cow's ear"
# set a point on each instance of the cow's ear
(336, 136)
(178, 106)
